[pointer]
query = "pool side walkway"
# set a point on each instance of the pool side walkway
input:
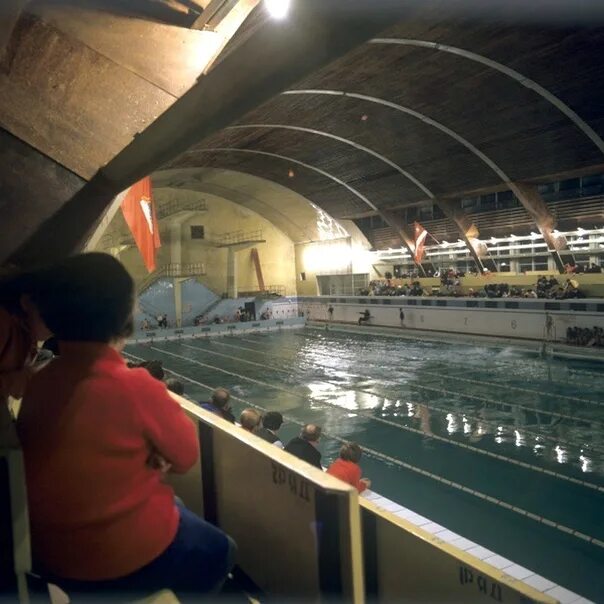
(553, 349)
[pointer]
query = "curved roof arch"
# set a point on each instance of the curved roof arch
(295, 215)
(512, 73)
(431, 109)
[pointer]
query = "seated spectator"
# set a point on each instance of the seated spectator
(176, 386)
(219, 404)
(305, 445)
(347, 467)
(102, 517)
(249, 419)
(271, 422)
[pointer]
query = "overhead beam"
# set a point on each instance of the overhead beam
(285, 51)
(10, 11)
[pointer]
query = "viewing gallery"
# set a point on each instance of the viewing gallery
(301, 301)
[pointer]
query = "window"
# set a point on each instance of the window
(197, 231)
(302, 276)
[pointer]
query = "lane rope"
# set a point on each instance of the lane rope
(454, 485)
(397, 425)
(431, 407)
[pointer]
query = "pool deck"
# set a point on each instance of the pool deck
(553, 349)
(499, 563)
(216, 330)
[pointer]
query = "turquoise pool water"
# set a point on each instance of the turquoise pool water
(505, 428)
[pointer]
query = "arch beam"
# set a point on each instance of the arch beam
(387, 218)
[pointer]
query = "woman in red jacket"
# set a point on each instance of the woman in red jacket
(347, 467)
(102, 517)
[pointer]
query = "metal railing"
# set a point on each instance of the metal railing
(192, 269)
(235, 237)
(269, 290)
(173, 206)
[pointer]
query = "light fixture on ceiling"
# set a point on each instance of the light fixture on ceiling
(277, 9)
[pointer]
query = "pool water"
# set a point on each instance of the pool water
(503, 447)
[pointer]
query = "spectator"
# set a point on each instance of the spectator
(155, 368)
(102, 517)
(347, 467)
(249, 419)
(305, 445)
(175, 386)
(219, 404)
(330, 312)
(21, 328)
(271, 422)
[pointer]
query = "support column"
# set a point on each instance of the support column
(232, 272)
(106, 220)
(534, 204)
(178, 301)
(176, 242)
(401, 229)
(456, 215)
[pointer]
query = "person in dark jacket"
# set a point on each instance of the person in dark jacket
(271, 422)
(305, 445)
(219, 404)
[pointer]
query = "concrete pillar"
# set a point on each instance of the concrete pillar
(178, 301)
(535, 205)
(402, 231)
(232, 272)
(176, 242)
(456, 215)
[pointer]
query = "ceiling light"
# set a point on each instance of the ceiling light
(277, 9)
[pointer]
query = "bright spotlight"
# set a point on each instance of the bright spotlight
(277, 9)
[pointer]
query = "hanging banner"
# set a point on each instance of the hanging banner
(138, 209)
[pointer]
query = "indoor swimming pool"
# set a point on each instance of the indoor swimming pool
(501, 446)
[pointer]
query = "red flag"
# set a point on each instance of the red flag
(420, 235)
(139, 212)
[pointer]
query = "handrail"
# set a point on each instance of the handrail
(173, 206)
(175, 270)
(240, 236)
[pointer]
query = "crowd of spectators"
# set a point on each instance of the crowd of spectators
(582, 336)
(451, 286)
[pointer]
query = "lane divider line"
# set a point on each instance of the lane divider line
(397, 425)
(416, 470)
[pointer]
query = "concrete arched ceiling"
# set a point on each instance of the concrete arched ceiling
(433, 108)
(289, 211)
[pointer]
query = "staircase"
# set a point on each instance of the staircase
(194, 269)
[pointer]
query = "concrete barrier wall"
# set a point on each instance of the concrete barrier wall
(297, 528)
(404, 563)
(509, 318)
